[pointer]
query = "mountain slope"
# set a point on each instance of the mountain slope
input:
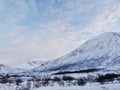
(7, 70)
(30, 65)
(102, 51)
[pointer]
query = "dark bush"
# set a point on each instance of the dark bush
(3, 80)
(68, 78)
(18, 81)
(107, 77)
(81, 81)
(56, 79)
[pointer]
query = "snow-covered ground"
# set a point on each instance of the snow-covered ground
(7, 87)
(89, 86)
(86, 87)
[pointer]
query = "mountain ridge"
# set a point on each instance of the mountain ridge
(97, 52)
(100, 52)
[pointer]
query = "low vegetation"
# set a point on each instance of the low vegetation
(58, 79)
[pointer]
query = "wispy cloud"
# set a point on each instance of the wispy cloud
(38, 28)
(109, 15)
(2, 5)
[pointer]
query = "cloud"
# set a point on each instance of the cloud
(51, 29)
(109, 15)
(53, 37)
(2, 6)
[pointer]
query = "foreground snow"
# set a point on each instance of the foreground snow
(86, 87)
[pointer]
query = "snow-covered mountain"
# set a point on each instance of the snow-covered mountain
(7, 70)
(102, 51)
(96, 58)
(29, 65)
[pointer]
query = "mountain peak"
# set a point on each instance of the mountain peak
(105, 43)
(103, 48)
(100, 51)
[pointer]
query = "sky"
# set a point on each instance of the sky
(47, 29)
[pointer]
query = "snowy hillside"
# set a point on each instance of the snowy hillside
(95, 64)
(102, 51)
(31, 64)
(6, 69)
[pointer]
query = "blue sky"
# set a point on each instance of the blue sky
(47, 29)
